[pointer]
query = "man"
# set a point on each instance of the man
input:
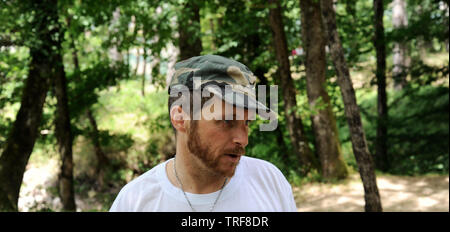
(210, 104)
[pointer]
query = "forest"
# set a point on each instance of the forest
(363, 90)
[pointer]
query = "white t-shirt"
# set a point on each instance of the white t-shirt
(256, 186)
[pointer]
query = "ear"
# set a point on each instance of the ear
(178, 118)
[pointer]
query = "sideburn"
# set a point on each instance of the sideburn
(198, 149)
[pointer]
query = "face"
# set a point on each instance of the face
(219, 143)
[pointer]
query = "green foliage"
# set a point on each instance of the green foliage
(115, 142)
(429, 14)
(243, 33)
(423, 74)
(418, 131)
(13, 71)
(355, 27)
(83, 90)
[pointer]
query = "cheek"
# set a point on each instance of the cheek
(214, 137)
(215, 143)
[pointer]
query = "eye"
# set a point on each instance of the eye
(228, 123)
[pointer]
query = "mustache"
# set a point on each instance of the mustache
(238, 150)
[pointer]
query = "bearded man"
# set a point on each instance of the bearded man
(211, 102)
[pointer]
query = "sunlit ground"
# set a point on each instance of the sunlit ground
(39, 192)
(398, 194)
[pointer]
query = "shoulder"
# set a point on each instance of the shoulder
(132, 193)
(266, 178)
(263, 172)
(255, 166)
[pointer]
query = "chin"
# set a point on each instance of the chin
(229, 170)
(229, 174)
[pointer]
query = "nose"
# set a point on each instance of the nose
(240, 136)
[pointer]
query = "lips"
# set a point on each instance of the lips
(233, 155)
(234, 158)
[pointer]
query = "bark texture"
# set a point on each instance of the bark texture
(64, 137)
(381, 156)
(352, 114)
(400, 52)
(102, 159)
(324, 123)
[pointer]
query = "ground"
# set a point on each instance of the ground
(398, 193)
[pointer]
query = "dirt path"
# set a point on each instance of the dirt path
(39, 191)
(398, 194)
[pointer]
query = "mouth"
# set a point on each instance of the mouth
(233, 156)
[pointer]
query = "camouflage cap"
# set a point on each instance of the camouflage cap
(216, 71)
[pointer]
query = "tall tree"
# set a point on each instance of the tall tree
(293, 121)
(102, 159)
(400, 52)
(144, 71)
(352, 114)
(43, 44)
(189, 40)
(381, 156)
(324, 123)
(138, 58)
(63, 134)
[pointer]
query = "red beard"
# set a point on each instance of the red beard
(206, 155)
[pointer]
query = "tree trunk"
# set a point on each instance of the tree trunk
(190, 44)
(213, 33)
(138, 59)
(294, 122)
(64, 137)
(102, 159)
(445, 11)
(144, 72)
(114, 54)
(400, 52)
(358, 138)
(324, 123)
(63, 132)
(381, 156)
(24, 131)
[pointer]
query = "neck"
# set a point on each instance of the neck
(192, 174)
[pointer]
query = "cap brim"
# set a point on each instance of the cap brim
(242, 100)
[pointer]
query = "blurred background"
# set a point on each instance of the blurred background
(83, 96)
